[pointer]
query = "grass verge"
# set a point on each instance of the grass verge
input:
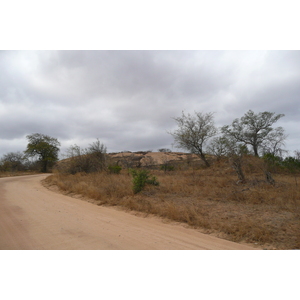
(208, 199)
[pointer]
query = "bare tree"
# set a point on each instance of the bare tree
(97, 151)
(219, 147)
(13, 161)
(193, 132)
(90, 159)
(297, 154)
(234, 151)
(275, 142)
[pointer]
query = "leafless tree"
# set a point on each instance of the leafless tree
(297, 154)
(13, 161)
(219, 147)
(275, 142)
(193, 133)
(90, 159)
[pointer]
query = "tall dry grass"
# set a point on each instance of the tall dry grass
(211, 199)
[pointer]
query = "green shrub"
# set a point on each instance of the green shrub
(291, 163)
(141, 178)
(115, 169)
(166, 167)
(273, 162)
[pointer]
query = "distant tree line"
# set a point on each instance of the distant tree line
(252, 134)
(40, 155)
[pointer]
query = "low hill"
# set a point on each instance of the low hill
(140, 159)
(153, 159)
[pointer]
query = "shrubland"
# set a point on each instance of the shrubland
(245, 189)
(212, 199)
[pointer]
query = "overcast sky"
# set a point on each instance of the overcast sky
(127, 98)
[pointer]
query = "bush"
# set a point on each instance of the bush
(115, 169)
(87, 160)
(166, 167)
(273, 163)
(141, 178)
(291, 163)
(166, 150)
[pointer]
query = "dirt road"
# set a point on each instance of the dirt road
(33, 217)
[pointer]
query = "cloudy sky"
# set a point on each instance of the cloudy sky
(127, 99)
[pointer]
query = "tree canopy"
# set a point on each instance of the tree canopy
(256, 130)
(44, 147)
(193, 132)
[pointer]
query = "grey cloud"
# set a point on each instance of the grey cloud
(127, 98)
(130, 73)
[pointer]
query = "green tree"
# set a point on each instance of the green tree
(193, 132)
(256, 130)
(44, 147)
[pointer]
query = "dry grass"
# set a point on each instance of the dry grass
(210, 199)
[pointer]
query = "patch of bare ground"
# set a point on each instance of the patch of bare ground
(210, 200)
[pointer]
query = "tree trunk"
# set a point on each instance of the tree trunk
(44, 166)
(255, 150)
(204, 159)
(237, 165)
(269, 177)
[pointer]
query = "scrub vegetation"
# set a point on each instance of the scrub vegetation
(236, 182)
(210, 199)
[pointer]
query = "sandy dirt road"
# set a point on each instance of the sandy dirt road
(33, 217)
